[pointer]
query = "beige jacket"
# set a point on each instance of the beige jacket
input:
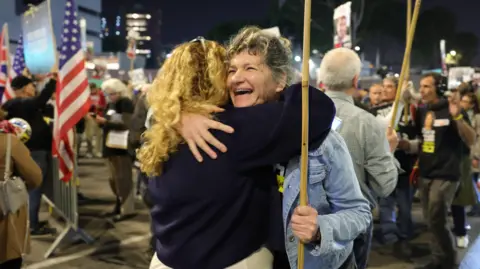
(12, 236)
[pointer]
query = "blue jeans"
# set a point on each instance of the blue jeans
(361, 247)
(392, 227)
(41, 157)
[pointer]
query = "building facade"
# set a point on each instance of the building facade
(90, 10)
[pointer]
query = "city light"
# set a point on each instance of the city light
(453, 53)
(357, 48)
(298, 58)
(148, 16)
(315, 51)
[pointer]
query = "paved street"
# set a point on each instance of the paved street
(124, 244)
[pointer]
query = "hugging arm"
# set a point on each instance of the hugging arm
(270, 133)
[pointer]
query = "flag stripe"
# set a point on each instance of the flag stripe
(72, 102)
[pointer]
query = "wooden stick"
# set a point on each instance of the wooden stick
(406, 56)
(305, 84)
(7, 44)
(409, 22)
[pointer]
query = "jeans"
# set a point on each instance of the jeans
(392, 227)
(361, 247)
(459, 220)
(12, 264)
(40, 157)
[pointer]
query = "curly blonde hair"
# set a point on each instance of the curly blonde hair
(276, 51)
(192, 77)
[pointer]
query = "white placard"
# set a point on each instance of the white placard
(137, 76)
(342, 26)
(117, 139)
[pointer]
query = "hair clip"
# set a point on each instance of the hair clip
(200, 39)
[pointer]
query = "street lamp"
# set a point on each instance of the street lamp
(453, 53)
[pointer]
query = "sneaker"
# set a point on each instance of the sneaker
(43, 231)
(462, 241)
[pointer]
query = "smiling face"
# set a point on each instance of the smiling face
(250, 80)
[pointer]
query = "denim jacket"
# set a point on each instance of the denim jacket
(334, 191)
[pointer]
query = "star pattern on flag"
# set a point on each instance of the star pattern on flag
(71, 41)
(19, 59)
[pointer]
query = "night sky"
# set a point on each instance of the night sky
(187, 19)
(199, 19)
(184, 20)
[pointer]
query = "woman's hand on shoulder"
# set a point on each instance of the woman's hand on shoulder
(194, 129)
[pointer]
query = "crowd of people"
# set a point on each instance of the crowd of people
(215, 144)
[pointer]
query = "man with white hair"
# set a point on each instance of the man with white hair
(366, 139)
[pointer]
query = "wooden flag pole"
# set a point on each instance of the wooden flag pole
(406, 56)
(305, 85)
(409, 23)
(7, 44)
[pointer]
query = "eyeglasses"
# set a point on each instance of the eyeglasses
(200, 39)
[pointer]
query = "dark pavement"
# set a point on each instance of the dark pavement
(124, 244)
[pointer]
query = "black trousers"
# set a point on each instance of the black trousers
(12, 264)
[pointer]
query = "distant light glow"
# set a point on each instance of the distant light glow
(357, 48)
(298, 58)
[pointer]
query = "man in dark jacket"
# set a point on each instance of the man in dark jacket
(28, 105)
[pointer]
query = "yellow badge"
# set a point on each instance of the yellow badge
(280, 180)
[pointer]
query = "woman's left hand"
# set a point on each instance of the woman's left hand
(194, 129)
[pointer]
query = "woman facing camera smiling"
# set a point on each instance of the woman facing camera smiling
(219, 213)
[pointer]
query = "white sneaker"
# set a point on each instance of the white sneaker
(462, 241)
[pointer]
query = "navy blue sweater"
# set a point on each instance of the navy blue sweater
(213, 214)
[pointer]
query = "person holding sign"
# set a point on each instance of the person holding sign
(444, 128)
(394, 228)
(28, 105)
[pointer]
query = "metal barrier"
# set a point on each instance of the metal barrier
(65, 204)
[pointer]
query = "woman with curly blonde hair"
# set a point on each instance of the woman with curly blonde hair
(217, 213)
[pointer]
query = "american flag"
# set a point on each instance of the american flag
(17, 69)
(73, 93)
(4, 81)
